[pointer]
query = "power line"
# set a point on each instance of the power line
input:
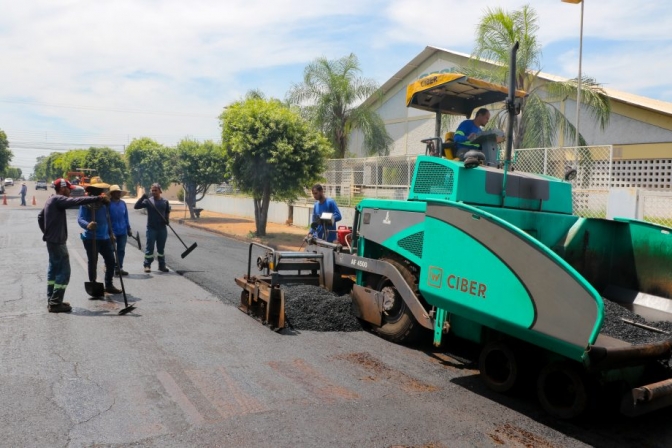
(104, 109)
(19, 135)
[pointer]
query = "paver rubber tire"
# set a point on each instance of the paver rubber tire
(399, 325)
(562, 390)
(499, 366)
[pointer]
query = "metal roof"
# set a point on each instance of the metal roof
(661, 107)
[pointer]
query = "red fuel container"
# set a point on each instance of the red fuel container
(342, 232)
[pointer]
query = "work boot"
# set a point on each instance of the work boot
(147, 269)
(163, 269)
(63, 307)
(473, 158)
(111, 289)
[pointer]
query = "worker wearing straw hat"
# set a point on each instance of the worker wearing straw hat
(93, 220)
(120, 225)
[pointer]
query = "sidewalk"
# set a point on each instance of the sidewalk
(278, 236)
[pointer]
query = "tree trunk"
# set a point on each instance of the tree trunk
(261, 211)
(190, 197)
(290, 213)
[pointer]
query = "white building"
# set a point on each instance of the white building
(640, 129)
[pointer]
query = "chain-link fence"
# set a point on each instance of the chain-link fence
(597, 173)
(593, 166)
(656, 206)
(348, 181)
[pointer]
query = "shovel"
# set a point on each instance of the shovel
(127, 308)
(190, 248)
(94, 289)
(137, 238)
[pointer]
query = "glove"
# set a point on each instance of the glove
(129, 233)
(144, 196)
(91, 226)
(104, 199)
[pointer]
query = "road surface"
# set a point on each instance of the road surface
(187, 368)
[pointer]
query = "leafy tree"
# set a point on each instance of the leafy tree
(540, 120)
(271, 152)
(109, 164)
(72, 160)
(197, 166)
(331, 94)
(13, 172)
(49, 167)
(147, 163)
(5, 153)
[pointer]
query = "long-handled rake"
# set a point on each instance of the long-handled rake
(137, 239)
(127, 308)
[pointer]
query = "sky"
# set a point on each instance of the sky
(77, 73)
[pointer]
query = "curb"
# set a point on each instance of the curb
(238, 237)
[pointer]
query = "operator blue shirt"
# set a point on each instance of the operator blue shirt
(328, 206)
(464, 130)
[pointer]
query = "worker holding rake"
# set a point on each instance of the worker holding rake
(158, 217)
(121, 226)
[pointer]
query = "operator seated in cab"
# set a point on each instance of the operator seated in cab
(469, 130)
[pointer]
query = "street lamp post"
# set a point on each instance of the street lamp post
(578, 86)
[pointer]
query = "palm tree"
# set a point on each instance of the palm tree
(540, 120)
(331, 97)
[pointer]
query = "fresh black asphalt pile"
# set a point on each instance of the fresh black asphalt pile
(313, 308)
(614, 326)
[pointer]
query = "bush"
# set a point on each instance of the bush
(180, 195)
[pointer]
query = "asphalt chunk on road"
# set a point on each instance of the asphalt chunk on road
(314, 308)
(614, 326)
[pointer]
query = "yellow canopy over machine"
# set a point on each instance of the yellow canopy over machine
(454, 94)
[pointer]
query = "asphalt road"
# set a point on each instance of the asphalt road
(188, 369)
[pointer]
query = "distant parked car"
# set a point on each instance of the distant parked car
(9, 182)
(77, 191)
(224, 189)
(41, 185)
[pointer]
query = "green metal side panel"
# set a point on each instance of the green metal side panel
(550, 229)
(394, 225)
(508, 280)
(457, 273)
(652, 254)
(601, 251)
(436, 178)
(390, 204)
(408, 243)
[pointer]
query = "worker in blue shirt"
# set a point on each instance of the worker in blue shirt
(93, 219)
(469, 129)
(324, 204)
